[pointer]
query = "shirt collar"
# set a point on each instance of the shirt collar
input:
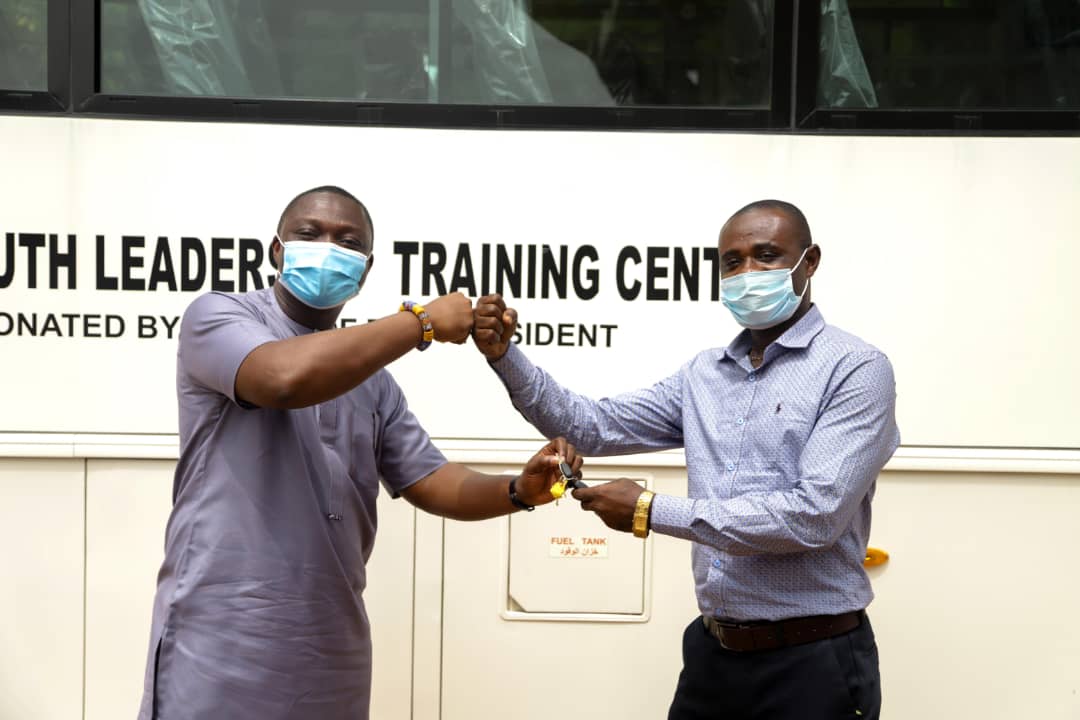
(275, 307)
(798, 335)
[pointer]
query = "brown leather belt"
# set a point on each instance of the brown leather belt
(744, 637)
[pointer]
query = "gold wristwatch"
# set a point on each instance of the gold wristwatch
(641, 514)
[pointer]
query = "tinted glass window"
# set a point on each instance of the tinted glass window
(340, 49)
(604, 52)
(957, 53)
(129, 61)
(566, 52)
(23, 45)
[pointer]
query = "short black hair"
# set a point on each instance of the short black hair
(802, 228)
(333, 190)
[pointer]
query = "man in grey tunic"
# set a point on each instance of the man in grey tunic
(285, 433)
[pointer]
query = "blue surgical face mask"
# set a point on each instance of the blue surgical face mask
(321, 274)
(762, 299)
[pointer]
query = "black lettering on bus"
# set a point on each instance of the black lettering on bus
(51, 326)
(485, 269)
(434, 262)
(129, 261)
(462, 278)
(654, 272)
(251, 260)
(406, 250)
(9, 261)
(627, 292)
(103, 281)
(508, 270)
(553, 271)
(32, 242)
(531, 277)
(685, 274)
(161, 268)
(28, 323)
(59, 260)
(712, 255)
(192, 264)
(581, 289)
(219, 262)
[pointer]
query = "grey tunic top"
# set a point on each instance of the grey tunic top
(258, 612)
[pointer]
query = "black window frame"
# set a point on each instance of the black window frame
(74, 81)
(88, 100)
(56, 96)
(812, 118)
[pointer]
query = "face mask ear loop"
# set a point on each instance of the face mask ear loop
(282, 244)
(275, 236)
(792, 272)
(801, 258)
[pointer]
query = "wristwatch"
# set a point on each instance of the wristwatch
(515, 500)
(641, 514)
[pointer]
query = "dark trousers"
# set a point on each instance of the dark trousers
(822, 680)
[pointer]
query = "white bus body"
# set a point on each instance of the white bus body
(958, 257)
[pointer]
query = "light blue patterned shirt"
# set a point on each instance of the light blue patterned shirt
(782, 462)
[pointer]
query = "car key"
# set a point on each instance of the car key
(558, 489)
(571, 478)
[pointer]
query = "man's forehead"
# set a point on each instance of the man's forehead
(759, 225)
(330, 207)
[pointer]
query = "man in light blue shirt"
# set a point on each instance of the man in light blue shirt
(785, 431)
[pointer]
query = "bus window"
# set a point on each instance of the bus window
(708, 53)
(696, 53)
(332, 49)
(842, 77)
(503, 55)
(23, 54)
(128, 61)
(991, 54)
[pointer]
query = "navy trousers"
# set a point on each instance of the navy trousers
(823, 680)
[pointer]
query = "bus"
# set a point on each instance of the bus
(579, 158)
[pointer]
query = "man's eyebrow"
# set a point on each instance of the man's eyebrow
(756, 247)
(315, 220)
(767, 245)
(294, 220)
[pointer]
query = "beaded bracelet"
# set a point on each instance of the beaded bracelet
(425, 322)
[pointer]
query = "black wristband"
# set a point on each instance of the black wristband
(515, 500)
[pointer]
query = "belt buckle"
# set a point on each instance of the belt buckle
(717, 631)
(774, 635)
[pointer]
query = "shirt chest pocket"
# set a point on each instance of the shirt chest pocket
(349, 437)
(774, 443)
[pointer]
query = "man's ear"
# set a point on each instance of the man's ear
(813, 259)
(367, 269)
(275, 250)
